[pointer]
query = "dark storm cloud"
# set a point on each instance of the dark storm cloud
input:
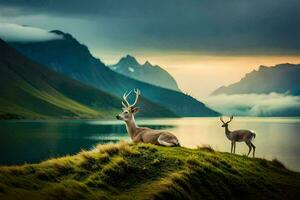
(208, 26)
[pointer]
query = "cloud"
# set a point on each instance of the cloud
(16, 33)
(272, 104)
(206, 26)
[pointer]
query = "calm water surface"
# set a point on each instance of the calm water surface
(34, 141)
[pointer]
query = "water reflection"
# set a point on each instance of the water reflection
(34, 141)
(28, 141)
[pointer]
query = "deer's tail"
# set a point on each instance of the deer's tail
(254, 135)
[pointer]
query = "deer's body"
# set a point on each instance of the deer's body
(144, 134)
(239, 136)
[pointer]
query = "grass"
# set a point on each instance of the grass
(144, 171)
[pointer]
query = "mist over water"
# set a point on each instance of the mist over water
(272, 104)
(34, 141)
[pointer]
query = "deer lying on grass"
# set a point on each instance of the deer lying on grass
(239, 136)
(143, 134)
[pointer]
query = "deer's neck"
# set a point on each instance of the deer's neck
(227, 132)
(131, 127)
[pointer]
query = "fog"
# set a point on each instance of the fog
(272, 104)
(16, 33)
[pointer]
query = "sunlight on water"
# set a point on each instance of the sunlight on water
(33, 141)
(275, 137)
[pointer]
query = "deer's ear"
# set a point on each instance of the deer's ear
(135, 110)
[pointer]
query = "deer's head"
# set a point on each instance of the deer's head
(129, 109)
(225, 124)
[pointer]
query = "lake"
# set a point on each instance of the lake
(34, 141)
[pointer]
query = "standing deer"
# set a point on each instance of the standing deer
(143, 134)
(239, 136)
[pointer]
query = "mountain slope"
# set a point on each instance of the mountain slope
(128, 66)
(31, 91)
(123, 171)
(282, 78)
(71, 58)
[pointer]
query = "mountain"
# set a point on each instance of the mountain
(31, 91)
(153, 74)
(282, 78)
(73, 59)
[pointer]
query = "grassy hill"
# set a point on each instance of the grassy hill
(31, 91)
(144, 171)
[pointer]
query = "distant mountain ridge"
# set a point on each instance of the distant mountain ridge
(30, 91)
(281, 78)
(152, 74)
(73, 59)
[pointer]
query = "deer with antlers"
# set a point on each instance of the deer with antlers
(239, 136)
(143, 134)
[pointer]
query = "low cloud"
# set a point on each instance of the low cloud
(256, 27)
(272, 104)
(16, 33)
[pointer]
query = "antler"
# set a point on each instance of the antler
(137, 94)
(221, 118)
(231, 118)
(125, 96)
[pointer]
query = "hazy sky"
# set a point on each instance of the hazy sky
(203, 43)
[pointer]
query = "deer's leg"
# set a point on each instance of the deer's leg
(234, 145)
(164, 140)
(231, 147)
(248, 143)
(253, 146)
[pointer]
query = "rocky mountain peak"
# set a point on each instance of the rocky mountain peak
(128, 60)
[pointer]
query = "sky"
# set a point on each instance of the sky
(204, 44)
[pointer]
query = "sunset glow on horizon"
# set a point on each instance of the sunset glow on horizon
(202, 44)
(199, 75)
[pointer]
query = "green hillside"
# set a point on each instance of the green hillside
(31, 91)
(73, 59)
(143, 171)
